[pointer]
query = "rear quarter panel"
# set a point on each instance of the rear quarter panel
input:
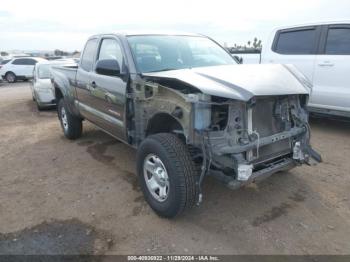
(64, 78)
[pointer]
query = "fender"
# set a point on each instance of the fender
(64, 88)
(165, 104)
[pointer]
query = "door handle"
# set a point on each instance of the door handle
(326, 64)
(93, 84)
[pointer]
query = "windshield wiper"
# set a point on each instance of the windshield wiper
(162, 70)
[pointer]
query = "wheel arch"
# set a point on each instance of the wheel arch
(58, 93)
(63, 93)
(10, 72)
(163, 122)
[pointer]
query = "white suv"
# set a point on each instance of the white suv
(321, 51)
(19, 68)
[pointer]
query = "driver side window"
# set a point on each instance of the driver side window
(111, 49)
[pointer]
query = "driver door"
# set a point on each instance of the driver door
(108, 93)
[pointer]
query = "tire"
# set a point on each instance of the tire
(10, 77)
(40, 108)
(71, 125)
(180, 174)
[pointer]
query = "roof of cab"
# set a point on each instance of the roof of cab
(314, 23)
(150, 32)
(57, 62)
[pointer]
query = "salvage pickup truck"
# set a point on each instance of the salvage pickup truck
(189, 110)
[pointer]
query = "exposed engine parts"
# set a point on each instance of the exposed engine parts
(235, 141)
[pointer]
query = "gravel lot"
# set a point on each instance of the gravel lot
(59, 196)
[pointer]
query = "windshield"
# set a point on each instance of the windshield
(44, 71)
(154, 53)
(4, 62)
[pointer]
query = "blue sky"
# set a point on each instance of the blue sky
(66, 24)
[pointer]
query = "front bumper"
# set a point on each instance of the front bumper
(282, 164)
(292, 149)
(247, 172)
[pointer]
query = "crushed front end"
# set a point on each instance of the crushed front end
(241, 142)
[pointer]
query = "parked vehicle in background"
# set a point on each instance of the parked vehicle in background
(43, 92)
(5, 55)
(2, 63)
(321, 51)
(55, 57)
(185, 104)
(19, 69)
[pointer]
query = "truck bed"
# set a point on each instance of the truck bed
(64, 75)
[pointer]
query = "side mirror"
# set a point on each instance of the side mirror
(108, 67)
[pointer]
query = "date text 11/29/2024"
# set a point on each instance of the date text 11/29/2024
(174, 258)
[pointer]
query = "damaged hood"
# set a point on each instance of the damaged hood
(240, 82)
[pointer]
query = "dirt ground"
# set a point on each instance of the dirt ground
(60, 196)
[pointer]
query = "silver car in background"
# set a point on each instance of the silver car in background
(42, 89)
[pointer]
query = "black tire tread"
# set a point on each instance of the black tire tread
(181, 157)
(7, 73)
(75, 124)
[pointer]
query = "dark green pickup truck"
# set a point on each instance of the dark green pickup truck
(189, 110)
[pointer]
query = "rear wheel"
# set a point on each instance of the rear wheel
(10, 77)
(71, 125)
(167, 174)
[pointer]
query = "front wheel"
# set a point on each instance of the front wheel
(10, 77)
(167, 174)
(71, 125)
